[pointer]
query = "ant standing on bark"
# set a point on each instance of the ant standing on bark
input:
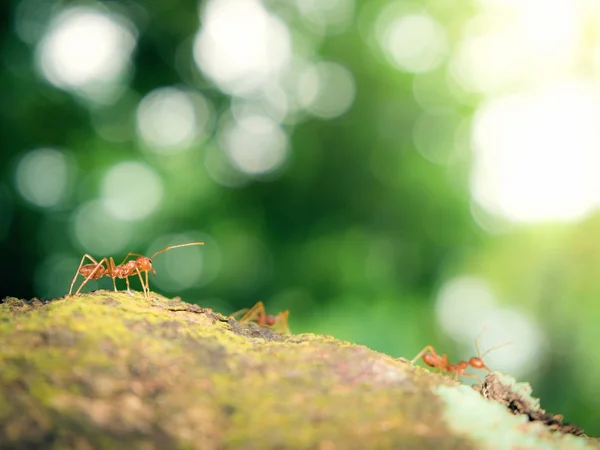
(107, 267)
(258, 314)
(432, 359)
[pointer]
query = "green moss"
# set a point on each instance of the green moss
(117, 371)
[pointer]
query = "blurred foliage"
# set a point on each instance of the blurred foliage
(354, 235)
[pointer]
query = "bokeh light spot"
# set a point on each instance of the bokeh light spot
(434, 133)
(414, 43)
(85, 46)
(525, 347)
(167, 120)
(466, 309)
(326, 89)
(334, 15)
(241, 45)
(98, 232)
(132, 191)
(460, 305)
(42, 177)
(273, 103)
(255, 144)
(219, 167)
(536, 154)
(511, 43)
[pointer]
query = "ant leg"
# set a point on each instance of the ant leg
(128, 255)
(463, 374)
(128, 288)
(137, 270)
(111, 267)
(256, 313)
(79, 268)
(282, 323)
(239, 313)
(428, 348)
(91, 275)
(147, 287)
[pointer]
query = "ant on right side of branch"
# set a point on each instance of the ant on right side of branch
(258, 314)
(433, 359)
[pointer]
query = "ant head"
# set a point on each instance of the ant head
(477, 363)
(144, 264)
(431, 360)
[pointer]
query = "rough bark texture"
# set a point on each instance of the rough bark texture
(110, 370)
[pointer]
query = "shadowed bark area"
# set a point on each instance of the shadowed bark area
(110, 370)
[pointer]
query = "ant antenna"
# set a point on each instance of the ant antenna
(494, 348)
(176, 246)
(477, 341)
(479, 355)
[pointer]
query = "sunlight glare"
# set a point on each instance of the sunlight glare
(514, 44)
(537, 155)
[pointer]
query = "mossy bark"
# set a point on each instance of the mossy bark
(110, 370)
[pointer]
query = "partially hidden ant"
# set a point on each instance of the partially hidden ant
(257, 314)
(432, 359)
(107, 267)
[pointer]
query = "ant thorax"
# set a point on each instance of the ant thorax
(125, 270)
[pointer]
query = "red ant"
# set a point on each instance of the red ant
(257, 314)
(432, 359)
(124, 270)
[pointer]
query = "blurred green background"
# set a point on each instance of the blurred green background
(395, 174)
